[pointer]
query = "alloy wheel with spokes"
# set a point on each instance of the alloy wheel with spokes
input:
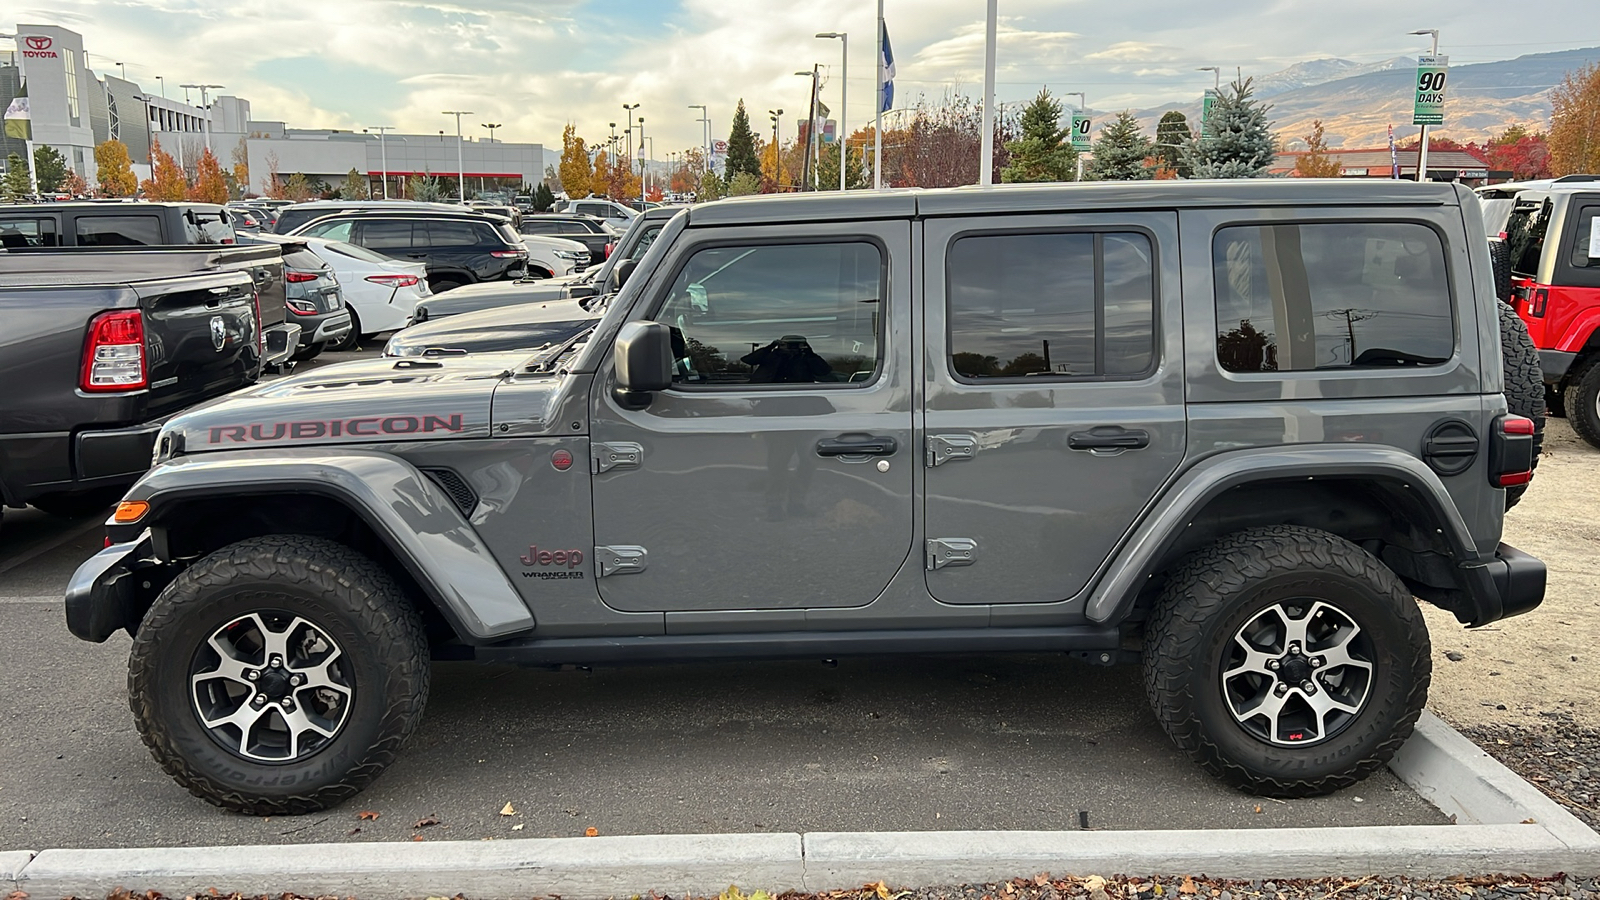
(271, 687)
(1298, 672)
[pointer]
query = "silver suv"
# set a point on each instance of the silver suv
(1224, 431)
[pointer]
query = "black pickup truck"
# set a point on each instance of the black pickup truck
(99, 347)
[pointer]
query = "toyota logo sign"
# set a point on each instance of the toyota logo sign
(39, 42)
(37, 46)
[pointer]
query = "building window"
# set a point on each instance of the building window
(72, 86)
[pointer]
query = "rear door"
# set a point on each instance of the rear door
(1054, 396)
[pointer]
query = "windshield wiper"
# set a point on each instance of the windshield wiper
(548, 362)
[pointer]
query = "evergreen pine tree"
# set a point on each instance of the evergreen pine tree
(1120, 153)
(355, 187)
(742, 158)
(1173, 140)
(1237, 141)
(17, 182)
(50, 167)
(543, 197)
(1044, 152)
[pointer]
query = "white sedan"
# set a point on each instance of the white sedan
(381, 292)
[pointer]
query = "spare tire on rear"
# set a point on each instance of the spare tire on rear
(1500, 256)
(1524, 384)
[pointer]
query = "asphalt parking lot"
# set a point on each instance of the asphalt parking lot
(892, 744)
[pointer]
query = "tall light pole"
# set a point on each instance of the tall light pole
(844, 96)
(383, 153)
(628, 132)
(642, 161)
(1214, 70)
(652, 155)
(461, 167)
(491, 126)
(1422, 141)
(777, 150)
(1082, 108)
(122, 69)
(877, 105)
(986, 159)
(705, 124)
(205, 107)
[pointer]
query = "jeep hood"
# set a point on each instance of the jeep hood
(368, 401)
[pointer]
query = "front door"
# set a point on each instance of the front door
(776, 473)
(1054, 372)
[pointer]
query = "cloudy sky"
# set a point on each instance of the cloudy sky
(534, 65)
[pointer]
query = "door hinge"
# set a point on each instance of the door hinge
(946, 552)
(943, 448)
(619, 455)
(620, 560)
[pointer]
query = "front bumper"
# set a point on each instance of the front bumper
(1510, 584)
(1555, 364)
(103, 595)
(319, 329)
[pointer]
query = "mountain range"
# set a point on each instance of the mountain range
(1357, 103)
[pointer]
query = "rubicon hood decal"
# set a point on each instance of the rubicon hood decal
(360, 426)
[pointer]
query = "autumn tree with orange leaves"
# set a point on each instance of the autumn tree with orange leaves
(210, 186)
(166, 181)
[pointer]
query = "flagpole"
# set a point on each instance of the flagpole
(33, 176)
(986, 166)
(877, 121)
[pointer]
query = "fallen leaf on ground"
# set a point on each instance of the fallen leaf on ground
(1094, 883)
(367, 815)
(416, 837)
(1258, 809)
(517, 827)
(881, 889)
(1530, 821)
(1041, 879)
(352, 831)
(507, 810)
(426, 821)
(1188, 883)
(591, 831)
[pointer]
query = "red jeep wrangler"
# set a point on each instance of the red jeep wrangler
(1552, 242)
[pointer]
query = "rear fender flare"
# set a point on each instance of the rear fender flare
(1579, 332)
(1140, 554)
(416, 521)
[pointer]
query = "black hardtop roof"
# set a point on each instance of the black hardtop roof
(112, 204)
(1071, 197)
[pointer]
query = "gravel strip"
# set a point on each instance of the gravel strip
(1560, 758)
(1095, 887)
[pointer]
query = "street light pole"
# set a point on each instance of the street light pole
(491, 126)
(642, 161)
(844, 97)
(383, 153)
(461, 167)
(777, 150)
(205, 107)
(1082, 108)
(705, 130)
(1422, 145)
(627, 133)
(986, 162)
(877, 105)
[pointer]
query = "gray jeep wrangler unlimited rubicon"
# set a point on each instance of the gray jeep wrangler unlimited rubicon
(1229, 430)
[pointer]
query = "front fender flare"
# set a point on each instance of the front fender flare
(417, 522)
(1161, 528)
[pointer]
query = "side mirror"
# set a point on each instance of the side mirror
(644, 362)
(623, 270)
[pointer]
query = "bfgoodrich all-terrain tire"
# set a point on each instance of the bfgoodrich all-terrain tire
(1524, 384)
(279, 675)
(1287, 661)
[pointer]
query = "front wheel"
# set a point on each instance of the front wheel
(350, 339)
(279, 675)
(1582, 401)
(1287, 661)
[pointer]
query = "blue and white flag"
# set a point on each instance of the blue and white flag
(886, 89)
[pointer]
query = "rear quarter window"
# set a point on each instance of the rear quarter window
(382, 236)
(119, 231)
(1331, 295)
(19, 233)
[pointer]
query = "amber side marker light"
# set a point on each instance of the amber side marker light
(129, 511)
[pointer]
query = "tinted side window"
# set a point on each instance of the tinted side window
(333, 231)
(1329, 296)
(386, 235)
(118, 231)
(1586, 243)
(646, 238)
(777, 314)
(1067, 304)
(452, 234)
(28, 233)
(1525, 229)
(544, 226)
(207, 228)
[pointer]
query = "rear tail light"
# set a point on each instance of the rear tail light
(299, 277)
(302, 307)
(509, 254)
(1511, 452)
(1539, 302)
(609, 248)
(394, 280)
(113, 356)
(261, 326)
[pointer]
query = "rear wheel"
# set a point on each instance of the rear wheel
(309, 351)
(442, 285)
(350, 339)
(278, 675)
(1582, 398)
(1287, 661)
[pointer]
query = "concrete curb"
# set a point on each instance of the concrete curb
(1505, 825)
(569, 867)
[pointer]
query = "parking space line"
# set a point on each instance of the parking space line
(35, 552)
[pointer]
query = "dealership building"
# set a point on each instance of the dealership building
(74, 109)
